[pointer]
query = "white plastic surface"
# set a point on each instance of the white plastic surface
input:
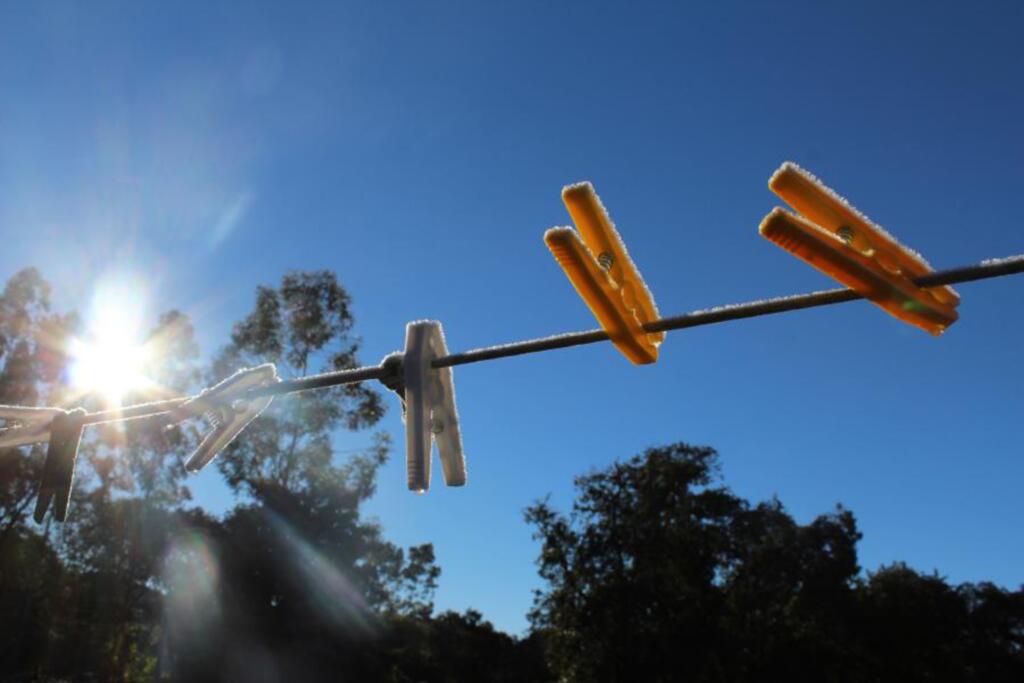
(430, 413)
(33, 425)
(227, 413)
(59, 466)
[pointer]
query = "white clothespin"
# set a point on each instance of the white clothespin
(63, 429)
(59, 466)
(224, 407)
(32, 425)
(430, 413)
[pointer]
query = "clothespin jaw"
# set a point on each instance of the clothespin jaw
(604, 275)
(59, 466)
(32, 425)
(430, 413)
(819, 248)
(227, 410)
(835, 238)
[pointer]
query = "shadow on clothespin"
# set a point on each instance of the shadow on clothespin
(59, 466)
(604, 275)
(63, 430)
(28, 425)
(428, 405)
(225, 408)
(839, 241)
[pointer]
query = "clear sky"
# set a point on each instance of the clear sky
(418, 149)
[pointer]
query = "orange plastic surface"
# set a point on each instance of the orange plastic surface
(828, 210)
(602, 296)
(601, 237)
(604, 275)
(834, 257)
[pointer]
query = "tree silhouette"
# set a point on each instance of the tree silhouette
(136, 585)
(660, 573)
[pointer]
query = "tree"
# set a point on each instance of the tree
(633, 573)
(462, 647)
(135, 584)
(303, 326)
(33, 355)
(302, 575)
(128, 487)
(32, 576)
(660, 573)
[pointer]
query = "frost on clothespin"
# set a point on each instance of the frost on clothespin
(26, 425)
(428, 405)
(597, 264)
(831, 235)
(226, 408)
(59, 467)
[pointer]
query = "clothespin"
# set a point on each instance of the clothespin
(63, 429)
(226, 409)
(604, 275)
(31, 425)
(428, 405)
(59, 466)
(835, 238)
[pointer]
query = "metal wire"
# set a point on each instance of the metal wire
(289, 386)
(980, 271)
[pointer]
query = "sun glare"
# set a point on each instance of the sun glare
(111, 359)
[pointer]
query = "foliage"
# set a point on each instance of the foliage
(32, 352)
(660, 573)
(291, 583)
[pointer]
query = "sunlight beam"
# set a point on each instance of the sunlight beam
(111, 358)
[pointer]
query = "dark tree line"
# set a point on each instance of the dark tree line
(658, 573)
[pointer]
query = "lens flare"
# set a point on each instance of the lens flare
(331, 593)
(190, 583)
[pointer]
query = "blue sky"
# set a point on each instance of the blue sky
(418, 149)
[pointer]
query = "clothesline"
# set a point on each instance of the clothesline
(981, 271)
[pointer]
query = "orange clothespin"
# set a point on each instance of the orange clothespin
(602, 272)
(841, 242)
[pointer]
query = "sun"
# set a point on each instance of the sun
(111, 359)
